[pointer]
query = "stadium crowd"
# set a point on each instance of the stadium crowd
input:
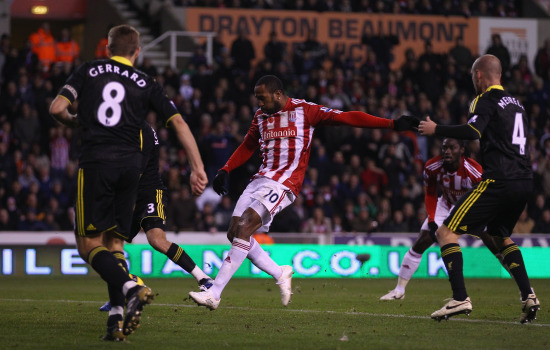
(358, 180)
(466, 8)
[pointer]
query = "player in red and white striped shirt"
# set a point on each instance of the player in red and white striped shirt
(282, 129)
(454, 174)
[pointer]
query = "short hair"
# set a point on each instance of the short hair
(271, 83)
(123, 40)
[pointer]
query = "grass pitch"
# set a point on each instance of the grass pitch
(62, 313)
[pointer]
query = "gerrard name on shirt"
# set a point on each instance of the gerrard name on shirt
(110, 68)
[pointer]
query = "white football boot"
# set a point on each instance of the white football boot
(393, 295)
(529, 309)
(285, 284)
(453, 307)
(205, 298)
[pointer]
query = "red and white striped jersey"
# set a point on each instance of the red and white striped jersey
(284, 139)
(452, 185)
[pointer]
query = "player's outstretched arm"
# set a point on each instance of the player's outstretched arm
(198, 179)
(465, 131)
(60, 112)
(406, 123)
(365, 120)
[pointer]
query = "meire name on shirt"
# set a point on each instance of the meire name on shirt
(109, 68)
(507, 100)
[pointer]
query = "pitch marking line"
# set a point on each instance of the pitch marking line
(352, 313)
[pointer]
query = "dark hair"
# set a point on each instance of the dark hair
(123, 40)
(271, 83)
(461, 144)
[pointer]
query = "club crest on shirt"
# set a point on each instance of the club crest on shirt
(292, 117)
(446, 181)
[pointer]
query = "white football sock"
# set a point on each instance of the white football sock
(238, 252)
(116, 310)
(198, 273)
(409, 265)
(262, 260)
(127, 286)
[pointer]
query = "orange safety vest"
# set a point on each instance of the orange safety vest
(43, 45)
(101, 48)
(66, 51)
(262, 238)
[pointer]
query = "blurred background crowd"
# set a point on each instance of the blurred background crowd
(358, 180)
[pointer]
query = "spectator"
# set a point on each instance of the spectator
(43, 45)
(223, 213)
(523, 67)
(498, 49)
(373, 176)
(398, 223)
(462, 55)
(362, 223)
(382, 45)
(542, 60)
(543, 223)
(318, 223)
(101, 47)
(482, 9)
(66, 49)
(242, 53)
(5, 223)
(525, 224)
(274, 50)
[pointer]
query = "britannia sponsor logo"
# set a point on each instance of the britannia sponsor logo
(279, 133)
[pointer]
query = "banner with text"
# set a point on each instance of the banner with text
(520, 36)
(340, 32)
(308, 261)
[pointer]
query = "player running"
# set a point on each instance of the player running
(114, 99)
(149, 215)
(454, 174)
(282, 129)
(500, 122)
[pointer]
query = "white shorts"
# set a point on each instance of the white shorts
(266, 197)
(442, 210)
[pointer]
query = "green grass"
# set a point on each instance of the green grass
(62, 313)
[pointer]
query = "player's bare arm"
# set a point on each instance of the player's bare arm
(60, 112)
(198, 179)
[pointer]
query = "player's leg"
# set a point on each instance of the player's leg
(248, 223)
(149, 214)
(125, 198)
(268, 200)
(452, 257)
(115, 321)
(260, 201)
(409, 265)
(103, 262)
(516, 196)
(470, 214)
(157, 239)
(94, 216)
(491, 244)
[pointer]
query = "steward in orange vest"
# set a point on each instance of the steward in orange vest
(66, 49)
(43, 45)
(101, 48)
